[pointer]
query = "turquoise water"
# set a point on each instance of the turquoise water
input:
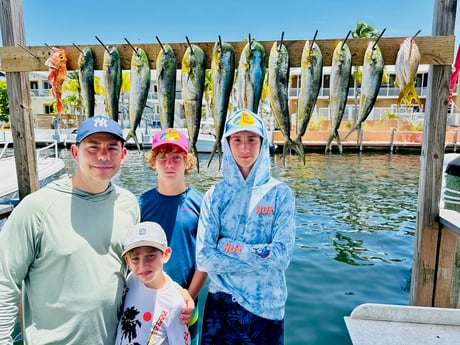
(355, 231)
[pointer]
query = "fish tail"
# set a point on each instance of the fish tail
(354, 128)
(329, 143)
(285, 150)
(299, 149)
(339, 142)
(133, 135)
(216, 148)
(407, 95)
(194, 151)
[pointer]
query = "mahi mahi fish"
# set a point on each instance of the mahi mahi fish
(278, 78)
(166, 85)
(251, 74)
(111, 75)
(371, 80)
(406, 65)
(193, 75)
(339, 81)
(222, 75)
(86, 78)
(139, 90)
(310, 83)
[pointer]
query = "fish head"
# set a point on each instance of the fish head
(57, 58)
(85, 57)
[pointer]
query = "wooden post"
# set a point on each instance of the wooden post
(12, 26)
(428, 235)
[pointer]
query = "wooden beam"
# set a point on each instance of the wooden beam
(433, 50)
(427, 235)
(12, 27)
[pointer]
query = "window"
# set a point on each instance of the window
(47, 108)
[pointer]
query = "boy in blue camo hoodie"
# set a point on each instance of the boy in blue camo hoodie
(245, 240)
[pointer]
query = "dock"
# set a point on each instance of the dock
(391, 140)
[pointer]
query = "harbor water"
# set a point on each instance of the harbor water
(355, 224)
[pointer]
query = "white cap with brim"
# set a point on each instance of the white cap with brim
(145, 234)
(244, 120)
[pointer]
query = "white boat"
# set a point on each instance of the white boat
(48, 164)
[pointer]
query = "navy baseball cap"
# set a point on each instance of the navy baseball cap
(98, 124)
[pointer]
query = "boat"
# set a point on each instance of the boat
(48, 164)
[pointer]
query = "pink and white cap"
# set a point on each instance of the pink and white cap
(170, 136)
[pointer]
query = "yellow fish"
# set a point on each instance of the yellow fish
(406, 66)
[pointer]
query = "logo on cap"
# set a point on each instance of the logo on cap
(100, 121)
(170, 135)
(246, 119)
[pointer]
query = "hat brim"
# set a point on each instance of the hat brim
(143, 244)
(158, 146)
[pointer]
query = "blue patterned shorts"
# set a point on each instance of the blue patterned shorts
(225, 322)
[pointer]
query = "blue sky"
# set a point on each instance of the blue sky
(66, 22)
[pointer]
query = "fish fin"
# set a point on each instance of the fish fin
(212, 155)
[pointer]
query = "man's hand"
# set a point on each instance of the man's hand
(187, 311)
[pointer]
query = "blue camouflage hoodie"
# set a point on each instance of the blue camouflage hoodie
(246, 229)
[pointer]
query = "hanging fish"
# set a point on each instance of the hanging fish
(57, 63)
(310, 83)
(251, 74)
(222, 75)
(406, 66)
(111, 75)
(166, 85)
(372, 74)
(86, 79)
(139, 90)
(339, 81)
(278, 78)
(193, 74)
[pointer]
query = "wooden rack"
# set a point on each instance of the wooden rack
(434, 50)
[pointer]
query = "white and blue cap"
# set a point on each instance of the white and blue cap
(145, 234)
(98, 124)
(244, 120)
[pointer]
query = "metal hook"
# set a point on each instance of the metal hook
(282, 39)
(380, 36)
(51, 48)
(416, 34)
(105, 47)
(189, 44)
(159, 42)
(346, 38)
(220, 42)
(132, 47)
(313, 42)
(81, 51)
(250, 43)
(27, 50)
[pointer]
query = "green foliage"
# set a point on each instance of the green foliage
(4, 106)
(364, 30)
(390, 115)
